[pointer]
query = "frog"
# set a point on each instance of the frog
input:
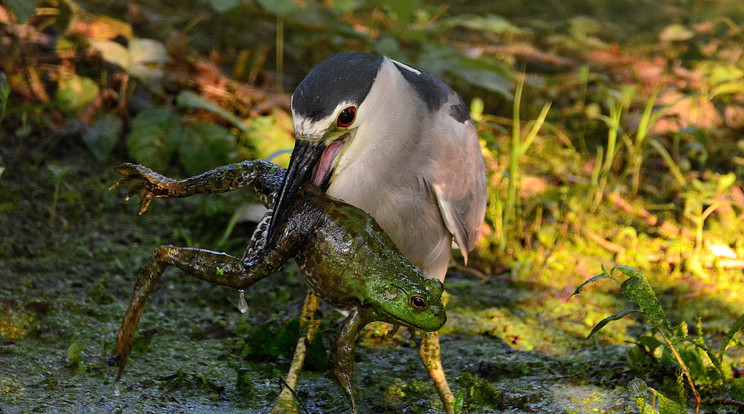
(343, 255)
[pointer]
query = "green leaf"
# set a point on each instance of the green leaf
(113, 52)
(189, 99)
(725, 182)
(675, 33)
(668, 406)
(156, 134)
(735, 327)
(609, 319)
(345, 6)
(486, 79)
(489, 23)
(23, 9)
(4, 94)
(588, 281)
(205, 147)
(737, 389)
(74, 351)
(638, 291)
(222, 6)
(728, 88)
(281, 8)
(628, 271)
(402, 11)
(148, 58)
(270, 135)
(147, 51)
(102, 135)
(76, 93)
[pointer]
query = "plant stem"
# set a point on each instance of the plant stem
(279, 52)
(685, 371)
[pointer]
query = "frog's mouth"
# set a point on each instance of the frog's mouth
(323, 170)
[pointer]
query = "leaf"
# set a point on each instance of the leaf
(271, 134)
(74, 351)
(668, 406)
(345, 6)
(222, 6)
(728, 88)
(148, 58)
(486, 79)
(76, 93)
(113, 52)
(102, 135)
(675, 33)
(737, 389)
(609, 319)
(206, 146)
(628, 271)
(156, 134)
(588, 281)
(725, 182)
(638, 291)
(735, 327)
(189, 99)
(489, 23)
(147, 51)
(281, 8)
(402, 11)
(23, 9)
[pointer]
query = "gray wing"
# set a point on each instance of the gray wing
(458, 176)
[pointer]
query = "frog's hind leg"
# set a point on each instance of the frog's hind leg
(309, 323)
(342, 354)
(215, 267)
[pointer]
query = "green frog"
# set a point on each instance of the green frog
(343, 255)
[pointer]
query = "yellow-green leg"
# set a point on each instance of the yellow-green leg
(309, 323)
(431, 355)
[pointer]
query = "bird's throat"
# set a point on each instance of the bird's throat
(322, 170)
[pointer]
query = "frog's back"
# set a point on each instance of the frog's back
(331, 248)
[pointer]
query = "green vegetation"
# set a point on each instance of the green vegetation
(612, 138)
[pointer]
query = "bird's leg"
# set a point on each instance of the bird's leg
(215, 267)
(342, 354)
(431, 354)
(309, 323)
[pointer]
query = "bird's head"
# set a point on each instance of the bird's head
(327, 110)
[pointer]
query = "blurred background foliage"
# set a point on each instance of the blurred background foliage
(612, 131)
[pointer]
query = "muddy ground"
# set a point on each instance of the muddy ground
(69, 256)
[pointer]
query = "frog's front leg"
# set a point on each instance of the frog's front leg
(215, 267)
(264, 176)
(342, 355)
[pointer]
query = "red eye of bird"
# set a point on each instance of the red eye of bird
(418, 302)
(346, 117)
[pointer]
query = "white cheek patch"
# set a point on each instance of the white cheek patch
(315, 130)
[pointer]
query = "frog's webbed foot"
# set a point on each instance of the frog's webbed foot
(342, 355)
(144, 182)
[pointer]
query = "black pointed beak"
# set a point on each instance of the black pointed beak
(304, 157)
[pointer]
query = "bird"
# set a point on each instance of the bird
(398, 143)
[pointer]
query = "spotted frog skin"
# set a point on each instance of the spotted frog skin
(343, 255)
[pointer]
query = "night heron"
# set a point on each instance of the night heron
(398, 143)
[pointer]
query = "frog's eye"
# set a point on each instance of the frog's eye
(418, 302)
(346, 117)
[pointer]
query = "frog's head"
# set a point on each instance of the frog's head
(410, 299)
